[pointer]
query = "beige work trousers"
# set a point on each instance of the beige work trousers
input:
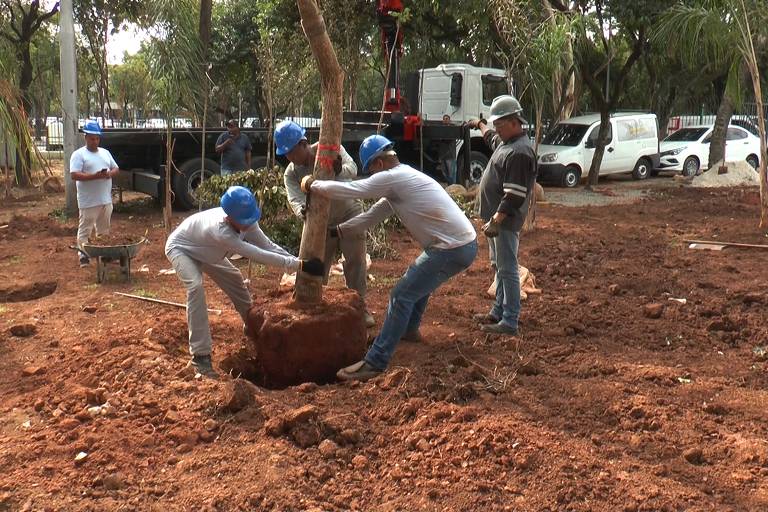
(95, 217)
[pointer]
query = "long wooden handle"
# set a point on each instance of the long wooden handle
(727, 244)
(159, 301)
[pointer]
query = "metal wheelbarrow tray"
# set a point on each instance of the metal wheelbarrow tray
(106, 253)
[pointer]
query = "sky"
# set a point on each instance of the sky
(128, 40)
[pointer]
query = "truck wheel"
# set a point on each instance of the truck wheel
(570, 177)
(477, 164)
(753, 161)
(186, 181)
(642, 169)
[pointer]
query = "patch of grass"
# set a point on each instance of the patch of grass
(141, 292)
(385, 281)
(135, 206)
(59, 214)
(12, 260)
(91, 286)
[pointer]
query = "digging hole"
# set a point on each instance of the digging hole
(31, 291)
(290, 344)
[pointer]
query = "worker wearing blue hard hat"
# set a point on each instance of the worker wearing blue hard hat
(203, 243)
(92, 169)
(434, 220)
(291, 142)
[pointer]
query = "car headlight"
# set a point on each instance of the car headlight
(675, 151)
(549, 157)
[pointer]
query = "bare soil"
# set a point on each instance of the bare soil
(615, 398)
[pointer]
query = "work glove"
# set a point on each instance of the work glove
(334, 232)
(303, 212)
(313, 267)
(490, 229)
(306, 183)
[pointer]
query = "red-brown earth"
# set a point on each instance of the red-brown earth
(615, 398)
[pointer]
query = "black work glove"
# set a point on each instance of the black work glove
(337, 165)
(490, 229)
(334, 232)
(303, 212)
(313, 267)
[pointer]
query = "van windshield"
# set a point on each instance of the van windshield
(686, 135)
(565, 135)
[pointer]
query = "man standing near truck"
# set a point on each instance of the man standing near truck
(291, 142)
(234, 148)
(92, 169)
(505, 189)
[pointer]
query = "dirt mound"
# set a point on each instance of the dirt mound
(115, 239)
(22, 226)
(295, 344)
(739, 174)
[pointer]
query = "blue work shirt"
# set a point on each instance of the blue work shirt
(233, 157)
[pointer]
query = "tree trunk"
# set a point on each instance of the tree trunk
(717, 141)
(309, 289)
(168, 174)
(24, 152)
(602, 141)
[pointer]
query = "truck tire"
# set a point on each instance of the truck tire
(186, 181)
(642, 169)
(478, 161)
(570, 177)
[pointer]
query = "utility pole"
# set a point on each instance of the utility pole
(68, 72)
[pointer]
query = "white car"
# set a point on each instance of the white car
(687, 150)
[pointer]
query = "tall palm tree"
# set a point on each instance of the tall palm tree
(727, 32)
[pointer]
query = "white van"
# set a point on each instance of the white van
(565, 153)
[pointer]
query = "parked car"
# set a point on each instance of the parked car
(565, 153)
(687, 150)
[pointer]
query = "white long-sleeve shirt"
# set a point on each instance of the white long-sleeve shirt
(207, 237)
(426, 210)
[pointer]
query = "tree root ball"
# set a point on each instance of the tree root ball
(296, 343)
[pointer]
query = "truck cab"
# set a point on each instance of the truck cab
(462, 92)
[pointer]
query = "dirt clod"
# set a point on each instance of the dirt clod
(694, 455)
(29, 371)
(653, 310)
(327, 448)
(237, 395)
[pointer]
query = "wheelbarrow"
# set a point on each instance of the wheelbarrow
(104, 254)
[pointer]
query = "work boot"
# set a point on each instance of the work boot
(413, 336)
(369, 321)
(84, 261)
(203, 366)
(361, 371)
(485, 318)
(499, 328)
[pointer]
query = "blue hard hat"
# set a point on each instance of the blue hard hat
(92, 128)
(287, 135)
(372, 147)
(239, 203)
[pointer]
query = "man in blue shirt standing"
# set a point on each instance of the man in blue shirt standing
(234, 148)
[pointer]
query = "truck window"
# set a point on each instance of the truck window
(592, 139)
(493, 86)
(565, 134)
(635, 129)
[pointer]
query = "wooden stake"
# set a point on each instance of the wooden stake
(726, 244)
(159, 301)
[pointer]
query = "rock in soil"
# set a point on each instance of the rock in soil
(307, 343)
(653, 310)
(29, 371)
(694, 455)
(237, 395)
